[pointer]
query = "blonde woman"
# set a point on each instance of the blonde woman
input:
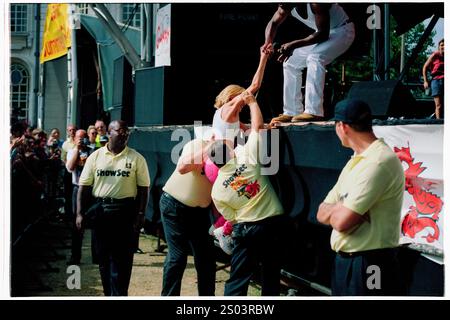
(226, 125)
(229, 104)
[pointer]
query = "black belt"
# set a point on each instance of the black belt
(115, 201)
(366, 253)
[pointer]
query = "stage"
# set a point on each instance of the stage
(309, 159)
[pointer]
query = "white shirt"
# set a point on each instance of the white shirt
(223, 129)
(337, 16)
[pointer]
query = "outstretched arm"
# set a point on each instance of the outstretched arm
(322, 17)
(232, 114)
(271, 29)
(257, 78)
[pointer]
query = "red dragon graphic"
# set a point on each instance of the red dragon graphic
(425, 213)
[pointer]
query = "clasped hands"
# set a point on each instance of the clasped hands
(284, 52)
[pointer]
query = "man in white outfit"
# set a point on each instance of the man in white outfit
(334, 33)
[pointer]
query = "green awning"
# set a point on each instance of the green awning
(108, 51)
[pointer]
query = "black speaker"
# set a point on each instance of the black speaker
(123, 88)
(388, 98)
(152, 99)
(118, 74)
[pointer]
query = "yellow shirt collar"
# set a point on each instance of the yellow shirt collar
(356, 158)
(123, 152)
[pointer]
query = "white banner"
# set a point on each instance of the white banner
(163, 32)
(420, 149)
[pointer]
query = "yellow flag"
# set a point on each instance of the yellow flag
(57, 34)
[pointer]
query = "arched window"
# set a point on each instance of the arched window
(20, 84)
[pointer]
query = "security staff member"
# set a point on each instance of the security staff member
(243, 195)
(364, 207)
(118, 178)
(185, 216)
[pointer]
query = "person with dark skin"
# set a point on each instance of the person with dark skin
(117, 177)
(333, 34)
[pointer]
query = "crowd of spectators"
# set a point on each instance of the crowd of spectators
(36, 171)
(37, 176)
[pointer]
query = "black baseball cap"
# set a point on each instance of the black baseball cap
(352, 111)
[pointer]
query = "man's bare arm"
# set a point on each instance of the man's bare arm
(339, 217)
(83, 196)
(271, 29)
(142, 201)
(322, 18)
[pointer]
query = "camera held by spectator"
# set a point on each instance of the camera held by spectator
(85, 142)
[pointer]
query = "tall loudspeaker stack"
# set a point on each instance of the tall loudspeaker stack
(388, 98)
(152, 99)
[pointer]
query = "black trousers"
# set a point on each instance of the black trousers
(370, 273)
(115, 247)
(77, 235)
(186, 231)
(68, 192)
(257, 243)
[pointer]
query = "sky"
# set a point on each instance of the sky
(439, 28)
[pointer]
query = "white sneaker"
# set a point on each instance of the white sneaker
(211, 230)
(225, 242)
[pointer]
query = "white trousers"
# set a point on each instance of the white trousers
(314, 57)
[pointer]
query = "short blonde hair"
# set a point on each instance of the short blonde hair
(228, 94)
(90, 128)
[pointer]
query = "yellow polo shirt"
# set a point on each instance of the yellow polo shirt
(115, 176)
(371, 182)
(192, 189)
(241, 193)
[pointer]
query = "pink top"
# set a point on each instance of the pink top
(211, 171)
(437, 63)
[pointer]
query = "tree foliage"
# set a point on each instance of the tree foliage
(360, 68)
(411, 39)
